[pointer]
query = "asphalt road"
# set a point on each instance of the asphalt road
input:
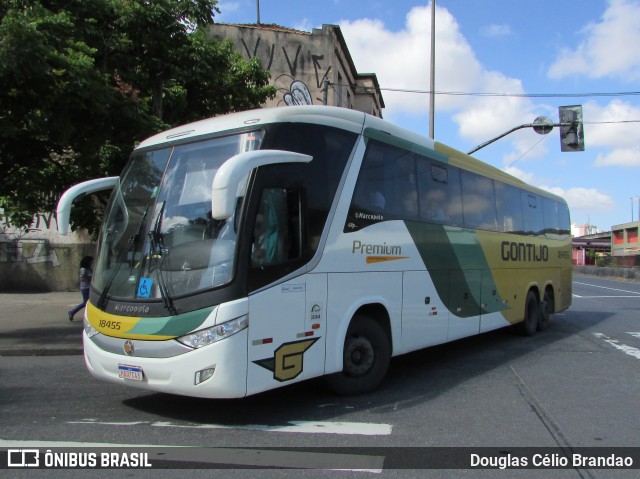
(574, 385)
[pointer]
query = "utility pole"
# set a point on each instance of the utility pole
(432, 72)
(633, 198)
(258, 11)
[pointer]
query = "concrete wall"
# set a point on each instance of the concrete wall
(298, 62)
(39, 266)
(609, 272)
(39, 259)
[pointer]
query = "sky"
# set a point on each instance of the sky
(538, 55)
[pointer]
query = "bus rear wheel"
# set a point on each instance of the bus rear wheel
(547, 307)
(366, 358)
(529, 325)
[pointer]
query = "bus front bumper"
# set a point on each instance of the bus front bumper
(182, 374)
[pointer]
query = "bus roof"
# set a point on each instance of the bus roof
(351, 120)
(344, 118)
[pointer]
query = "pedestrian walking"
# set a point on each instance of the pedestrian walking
(86, 273)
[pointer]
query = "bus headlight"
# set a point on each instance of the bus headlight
(88, 329)
(214, 334)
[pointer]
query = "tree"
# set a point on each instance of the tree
(81, 82)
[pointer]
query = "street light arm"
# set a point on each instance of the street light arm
(526, 125)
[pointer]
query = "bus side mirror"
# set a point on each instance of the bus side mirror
(229, 177)
(78, 191)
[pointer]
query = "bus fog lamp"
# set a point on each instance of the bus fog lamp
(203, 375)
(214, 334)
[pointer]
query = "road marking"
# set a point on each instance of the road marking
(609, 296)
(252, 457)
(634, 293)
(303, 427)
(10, 443)
(634, 352)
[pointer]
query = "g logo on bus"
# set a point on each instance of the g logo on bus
(288, 360)
(129, 348)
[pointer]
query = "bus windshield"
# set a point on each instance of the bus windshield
(158, 239)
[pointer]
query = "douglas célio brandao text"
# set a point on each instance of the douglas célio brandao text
(549, 460)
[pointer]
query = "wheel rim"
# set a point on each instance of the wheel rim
(359, 356)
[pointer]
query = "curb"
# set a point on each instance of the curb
(41, 351)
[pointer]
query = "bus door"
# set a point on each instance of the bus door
(285, 317)
(287, 325)
(464, 303)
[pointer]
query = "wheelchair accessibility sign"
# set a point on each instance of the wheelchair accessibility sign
(144, 287)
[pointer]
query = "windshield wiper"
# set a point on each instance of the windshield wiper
(156, 242)
(102, 301)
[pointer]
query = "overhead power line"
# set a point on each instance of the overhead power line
(521, 95)
(612, 122)
(518, 95)
(500, 94)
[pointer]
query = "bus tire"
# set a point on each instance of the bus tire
(366, 358)
(546, 309)
(529, 325)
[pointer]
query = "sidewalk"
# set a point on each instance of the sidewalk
(37, 324)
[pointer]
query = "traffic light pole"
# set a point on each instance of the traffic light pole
(527, 125)
(571, 130)
(486, 143)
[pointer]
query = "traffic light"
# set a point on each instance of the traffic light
(571, 129)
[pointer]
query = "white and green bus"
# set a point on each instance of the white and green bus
(254, 250)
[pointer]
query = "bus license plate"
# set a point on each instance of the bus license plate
(133, 373)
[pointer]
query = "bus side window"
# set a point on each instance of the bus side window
(369, 193)
(550, 213)
(564, 220)
(533, 218)
(440, 199)
(405, 200)
(478, 201)
(509, 208)
(277, 234)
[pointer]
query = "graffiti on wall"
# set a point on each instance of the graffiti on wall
(27, 245)
(298, 93)
(291, 88)
(39, 221)
(28, 251)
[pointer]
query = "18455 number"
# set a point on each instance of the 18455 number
(113, 325)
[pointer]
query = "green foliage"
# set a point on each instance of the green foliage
(82, 81)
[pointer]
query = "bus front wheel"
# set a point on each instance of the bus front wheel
(366, 358)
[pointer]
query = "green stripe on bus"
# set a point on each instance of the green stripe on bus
(458, 268)
(172, 325)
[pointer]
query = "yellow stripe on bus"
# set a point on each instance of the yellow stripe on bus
(115, 325)
(381, 259)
